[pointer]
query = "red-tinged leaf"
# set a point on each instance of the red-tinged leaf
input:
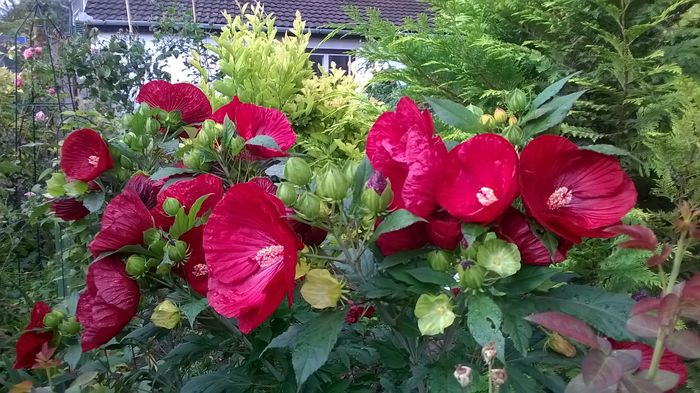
(645, 306)
(565, 325)
(685, 343)
(668, 309)
(635, 384)
(603, 344)
(601, 371)
(640, 237)
(643, 325)
(629, 358)
(660, 258)
(664, 379)
(578, 386)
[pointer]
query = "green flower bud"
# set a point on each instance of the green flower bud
(136, 266)
(115, 153)
(512, 120)
(471, 275)
(151, 236)
(130, 139)
(237, 145)
(53, 319)
(163, 269)
(152, 263)
(287, 194)
(372, 201)
(158, 247)
(440, 260)
(126, 162)
(500, 115)
(297, 171)
(70, 327)
(194, 160)
(174, 118)
(178, 251)
(487, 121)
(309, 205)
(349, 170)
(332, 184)
(56, 185)
(517, 100)
(171, 206)
(152, 126)
(166, 315)
(514, 134)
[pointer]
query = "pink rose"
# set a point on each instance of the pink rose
(28, 53)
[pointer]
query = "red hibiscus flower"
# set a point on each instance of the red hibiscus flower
(146, 188)
(123, 223)
(187, 191)
(195, 270)
(402, 146)
(228, 110)
(108, 303)
(573, 192)
(69, 209)
(411, 237)
(252, 121)
(515, 228)
(251, 251)
(479, 179)
(188, 99)
(311, 236)
(444, 231)
(669, 361)
(358, 311)
(85, 155)
(265, 183)
(30, 342)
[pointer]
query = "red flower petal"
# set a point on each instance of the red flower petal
(515, 228)
(479, 180)
(573, 192)
(228, 110)
(402, 146)
(187, 191)
(265, 183)
(123, 223)
(30, 342)
(444, 231)
(69, 209)
(107, 304)
(146, 188)
(188, 99)
(311, 236)
(251, 252)
(411, 237)
(195, 270)
(640, 237)
(85, 155)
(253, 120)
(669, 361)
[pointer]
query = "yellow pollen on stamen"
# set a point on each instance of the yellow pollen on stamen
(561, 197)
(270, 255)
(93, 160)
(486, 196)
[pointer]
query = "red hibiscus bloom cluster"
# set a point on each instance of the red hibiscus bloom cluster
(186, 98)
(571, 192)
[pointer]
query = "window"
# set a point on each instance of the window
(324, 58)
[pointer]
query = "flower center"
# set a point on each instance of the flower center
(93, 160)
(486, 196)
(200, 270)
(561, 197)
(270, 255)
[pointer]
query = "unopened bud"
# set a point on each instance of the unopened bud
(136, 266)
(158, 247)
(53, 319)
(174, 118)
(440, 260)
(489, 352)
(498, 376)
(560, 345)
(471, 275)
(349, 170)
(463, 375)
(309, 205)
(151, 236)
(487, 121)
(237, 145)
(70, 327)
(500, 115)
(332, 184)
(512, 120)
(164, 269)
(171, 206)
(514, 134)
(517, 100)
(297, 171)
(166, 315)
(178, 251)
(287, 194)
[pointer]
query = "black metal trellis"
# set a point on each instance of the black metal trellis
(34, 150)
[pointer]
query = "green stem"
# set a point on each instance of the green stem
(663, 331)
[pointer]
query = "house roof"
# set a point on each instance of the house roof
(316, 13)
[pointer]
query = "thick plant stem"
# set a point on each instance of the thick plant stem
(663, 332)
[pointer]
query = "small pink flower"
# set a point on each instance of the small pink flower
(37, 51)
(51, 91)
(28, 53)
(18, 81)
(41, 117)
(29, 194)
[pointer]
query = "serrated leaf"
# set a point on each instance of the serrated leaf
(162, 173)
(192, 309)
(484, 319)
(454, 114)
(314, 344)
(566, 325)
(264, 141)
(517, 329)
(286, 339)
(600, 370)
(398, 219)
(94, 201)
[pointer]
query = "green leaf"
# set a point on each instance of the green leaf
(162, 173)
(454, 114)
(130, 249)
(286, 339)
(551, 90)
(72, 356)
(398, 219)
(472, 232)
(194, 210)
(315, 342)
(555, 111)
(606, 312)
(193, 308)
(525, 280)
(264, 141)
(181, 224)
(362, 174)
(217, 383)
(610, 150)
(484, 319)
(94, 201)
(516, 328)
(441, 379)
